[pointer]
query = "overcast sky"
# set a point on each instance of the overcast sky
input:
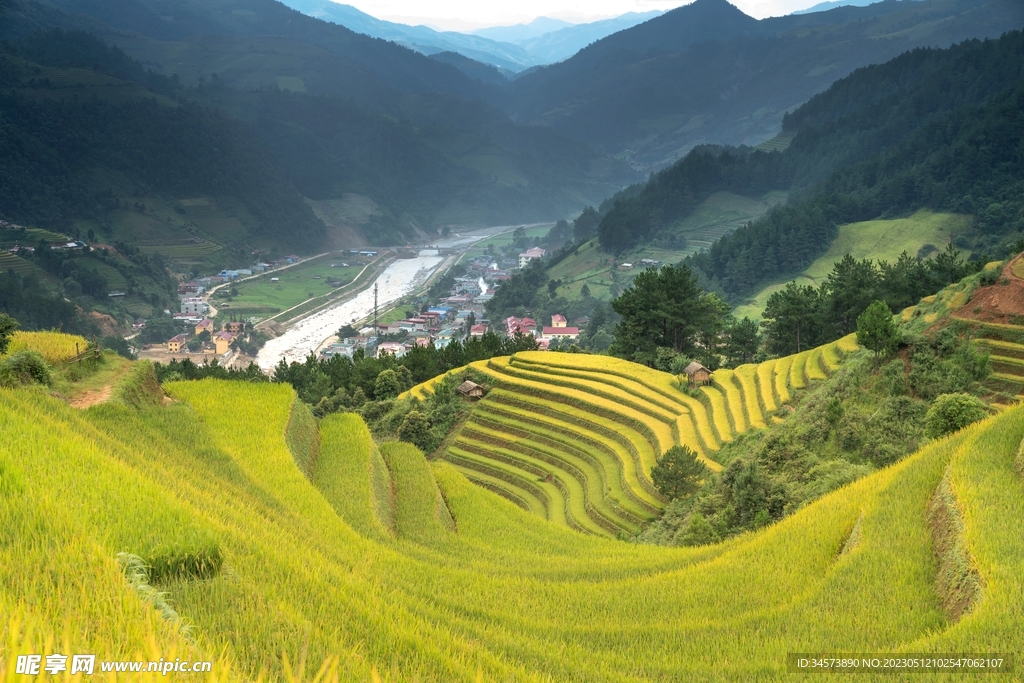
(463, 15)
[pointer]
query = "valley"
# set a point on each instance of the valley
(675, 345)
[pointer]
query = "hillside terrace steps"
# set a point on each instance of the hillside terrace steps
(577, 435)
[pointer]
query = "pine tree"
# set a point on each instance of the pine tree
(678, 473)
(876, 330)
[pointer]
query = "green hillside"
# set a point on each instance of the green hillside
(316, 116)
(881, 240)
(246, 550)
(882, 143)
(715, 217)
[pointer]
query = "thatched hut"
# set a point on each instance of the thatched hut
(470, 390)
(697, 374)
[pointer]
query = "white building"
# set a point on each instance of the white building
(529, 255)
(194, 305)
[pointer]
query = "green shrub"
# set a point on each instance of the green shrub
(699, 532)
(415, 429)
(24, 367)
(7, 327)
(894, 378)
(952, 412)
(989, 277)
(678, 472)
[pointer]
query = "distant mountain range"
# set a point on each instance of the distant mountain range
(832, 4)
(511, 48)
(386, 143)
(295, 123)
(520, 32)
(708, 73)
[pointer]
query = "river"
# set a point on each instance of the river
(398, 279)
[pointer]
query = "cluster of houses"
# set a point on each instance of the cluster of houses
(220, 341)
(458, 315)
(545, 334)
(644, 262)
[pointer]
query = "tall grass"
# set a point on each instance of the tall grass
(54, 347)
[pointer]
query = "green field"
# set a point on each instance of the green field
(9, 261)
(878, 240)
(30, 238)
(505, 239)
(281, 551)
(261, 296)
(718, 215)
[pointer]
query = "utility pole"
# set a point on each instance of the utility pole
(375, 330)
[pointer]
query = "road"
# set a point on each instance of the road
(397, 280)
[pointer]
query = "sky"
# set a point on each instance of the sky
(466, 15)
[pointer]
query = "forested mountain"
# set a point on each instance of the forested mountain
(707, 73)
(177, 20)
(932, 128)
(55, 139)
(409, 138)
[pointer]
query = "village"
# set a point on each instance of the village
(458, 315)
(203, 335)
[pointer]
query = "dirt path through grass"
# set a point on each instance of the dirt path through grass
(93, 397)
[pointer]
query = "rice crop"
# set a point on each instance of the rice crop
(507, 596)
(812, 367)
(746, 376)
(724, 381)
(54, 347)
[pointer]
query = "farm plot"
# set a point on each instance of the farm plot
(593, 427)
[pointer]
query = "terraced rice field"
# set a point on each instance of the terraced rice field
(1005, 346)
(381, 566)
(179, 248)
(54, 347)
(573, 437)
(9, 261)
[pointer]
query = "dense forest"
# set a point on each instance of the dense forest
(932, 128)
(350, 114)
(707, 73)
(178, 148)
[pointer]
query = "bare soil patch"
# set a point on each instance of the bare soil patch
(92, 397)
(1002, 302)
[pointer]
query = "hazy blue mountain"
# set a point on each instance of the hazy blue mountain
(513, 48)
(564, 43)
(825, 6)
(420, 38)
(519, 32)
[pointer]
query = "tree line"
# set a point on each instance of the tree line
(800, 317)
(340, 382)
(668, 319)
(931, 128)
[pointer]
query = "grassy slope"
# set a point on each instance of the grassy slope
(719, 214)
(508, 596)
(880, 240)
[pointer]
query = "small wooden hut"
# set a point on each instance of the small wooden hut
(697, 374)
(470, 390)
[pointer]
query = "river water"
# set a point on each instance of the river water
(398, 279)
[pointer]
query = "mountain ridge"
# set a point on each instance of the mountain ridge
(707, 73)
